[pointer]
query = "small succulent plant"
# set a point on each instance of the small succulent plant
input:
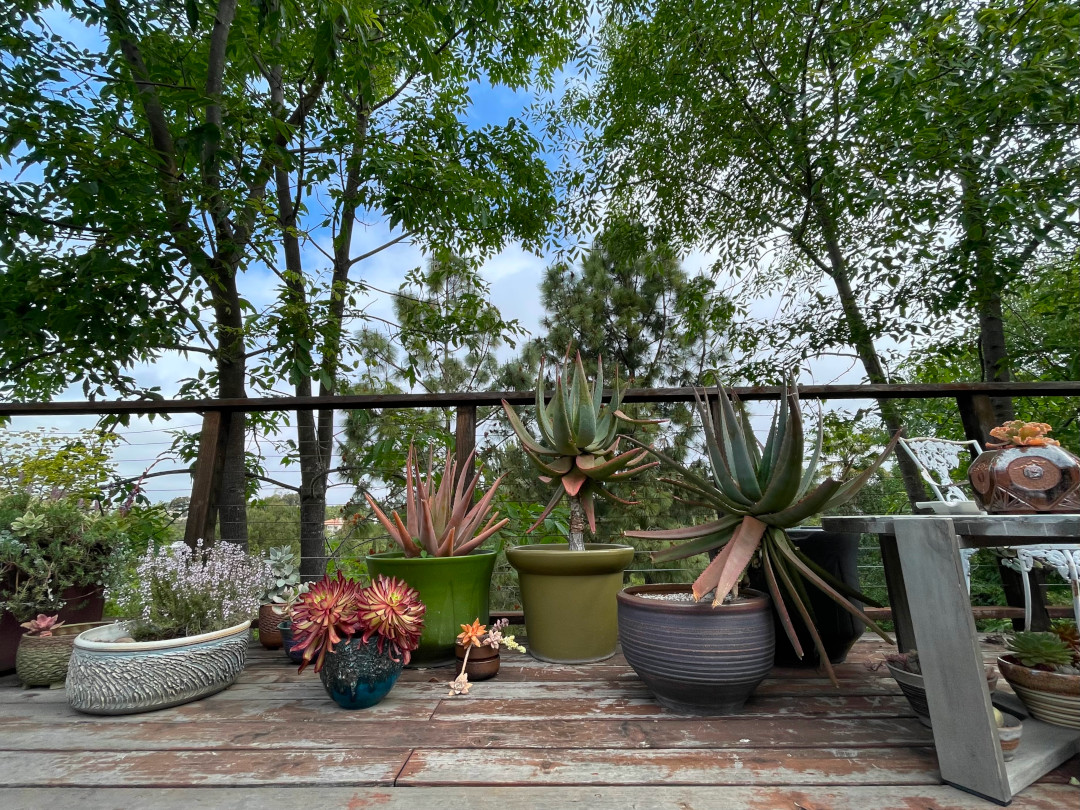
(284, 601)
(579, 444)
(1019, 433)
(440, 520)
(478, 635)
(758, 493)
(284, 574)
(1041, 650)
(335, 610)
(41, 626)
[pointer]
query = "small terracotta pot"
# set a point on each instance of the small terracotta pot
(483, 662)
(269, 635)
(1009, 736)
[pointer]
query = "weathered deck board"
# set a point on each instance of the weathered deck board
(539, 735)
(937, 797)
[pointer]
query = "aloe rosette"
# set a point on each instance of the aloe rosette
(578, 448)
(759, 492)
(440, 520)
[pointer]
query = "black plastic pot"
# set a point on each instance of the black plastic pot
(837, 553)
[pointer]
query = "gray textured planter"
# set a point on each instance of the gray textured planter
(108, 677)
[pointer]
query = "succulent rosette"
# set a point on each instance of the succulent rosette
(334, 610)
(1019, 433)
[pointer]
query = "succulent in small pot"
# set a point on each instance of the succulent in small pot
(284, 567)
(1043, 669)
(483, 645)
(282, 610)
(359, 637)
(759, 492)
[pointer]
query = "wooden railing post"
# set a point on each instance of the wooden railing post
(465, 440)
(206, 482)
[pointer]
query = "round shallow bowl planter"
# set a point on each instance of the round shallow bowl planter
(356, 675)
(456, 591)
(1026, 480)
(43, 660)
(295, 654)
(482, 665)
(1049, 696)
(269, 635)
(914, 689)
(126, 677)
(568, 598)
(695, 658)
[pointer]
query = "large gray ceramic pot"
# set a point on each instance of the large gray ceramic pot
(110, 677)
(695, 658)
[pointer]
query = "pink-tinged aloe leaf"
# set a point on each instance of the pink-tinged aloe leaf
(412, 505)
(687, 532)
(589, 508)
(598, 468)
(556, 467)
(547, 509)
(778, 602)
(608, 495)
(487, 532)
(573, 481)
(622, 417)
(428, 539)
(622, 475)
(398, 532)
(744, 542)
(476, 516)
(527, 441)
(446, 549)
(790, 555)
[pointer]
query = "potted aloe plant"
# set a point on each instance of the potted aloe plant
(439, 551)
(359, 637)
(574, 584)
(704, 648)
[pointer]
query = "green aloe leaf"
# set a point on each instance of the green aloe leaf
(526, 439)
(735, 449)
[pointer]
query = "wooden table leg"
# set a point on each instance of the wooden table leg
(898, 600)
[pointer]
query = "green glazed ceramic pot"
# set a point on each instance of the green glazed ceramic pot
(456, 590)
(569, 599)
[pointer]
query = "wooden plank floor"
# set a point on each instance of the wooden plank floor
(540, 735)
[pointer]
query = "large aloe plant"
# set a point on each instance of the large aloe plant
(758, 493)
(579, 443)
(440, 520)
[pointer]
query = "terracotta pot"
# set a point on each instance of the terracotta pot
(483, 662)
(1049, 696)
(1026, 480)
(1009, 736)
(695, 658)
(269, 634)
(43, 660)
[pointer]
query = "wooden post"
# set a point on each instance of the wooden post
(206, 482)
(465, 440)
(976, 415)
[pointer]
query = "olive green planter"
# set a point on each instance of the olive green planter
(456, 590)
(569, 599)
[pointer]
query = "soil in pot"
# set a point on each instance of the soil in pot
(695, 658)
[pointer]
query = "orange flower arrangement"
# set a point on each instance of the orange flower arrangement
(1019, 433)
(477, 635)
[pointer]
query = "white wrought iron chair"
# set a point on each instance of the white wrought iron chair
(939, 461)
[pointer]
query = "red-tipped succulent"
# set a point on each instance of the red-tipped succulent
(334, 610)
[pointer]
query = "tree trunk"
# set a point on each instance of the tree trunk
(577, 525)
(232, 370)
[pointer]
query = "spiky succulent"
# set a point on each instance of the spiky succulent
(759, 492)
(1037, 649)
(579, 443)
(284, 574)
(334, 610)
(440, 520)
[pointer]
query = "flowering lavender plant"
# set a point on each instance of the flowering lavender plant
(180, 591)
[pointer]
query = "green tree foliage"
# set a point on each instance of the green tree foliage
(41, 462)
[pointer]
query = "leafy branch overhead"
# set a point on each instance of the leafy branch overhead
(759, 492)
(579, 445)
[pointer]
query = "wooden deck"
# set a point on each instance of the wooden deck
(539, 735)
